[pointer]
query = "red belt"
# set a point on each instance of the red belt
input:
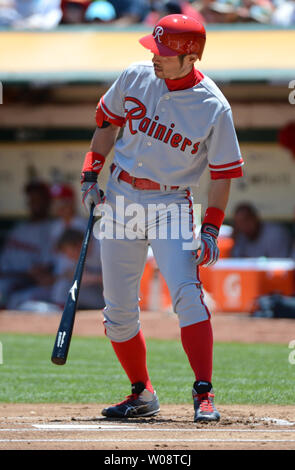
(141, 183)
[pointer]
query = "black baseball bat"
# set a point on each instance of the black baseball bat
(64, 332)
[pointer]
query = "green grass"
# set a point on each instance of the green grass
(243, 373)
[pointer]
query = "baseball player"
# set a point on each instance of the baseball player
(176, 123)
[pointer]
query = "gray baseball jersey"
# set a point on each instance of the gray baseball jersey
(171, 137)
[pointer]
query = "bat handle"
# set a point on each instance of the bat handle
(92, 207)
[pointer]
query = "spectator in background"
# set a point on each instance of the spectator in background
(259, 11)
(26, 258)
(63, 210)
(32, 14)
(255, 238)
(284, 14)
(119, 12)
(100, 12)
(73, 11)
(7, 12)
(69, 246)
(220, 11)
(130, 11)
(160, 8)
(277, 305)
(236, 11)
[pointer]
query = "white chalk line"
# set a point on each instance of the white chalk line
(105, 428)
(279, 422)
(94, 427)
(35, 416)
(147, 440)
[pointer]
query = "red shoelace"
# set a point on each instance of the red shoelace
(133, 396)
(205, 402)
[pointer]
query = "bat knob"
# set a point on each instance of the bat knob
(59, 361)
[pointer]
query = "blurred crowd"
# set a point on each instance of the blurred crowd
(39, 255)
(47, 14)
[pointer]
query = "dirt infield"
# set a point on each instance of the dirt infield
(74, 426)
(66, 426)
(227, 328)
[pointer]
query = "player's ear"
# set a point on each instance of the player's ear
(192, 58)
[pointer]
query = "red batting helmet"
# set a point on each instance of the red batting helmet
(176, 35)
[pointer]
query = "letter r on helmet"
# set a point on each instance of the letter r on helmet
(159, 31)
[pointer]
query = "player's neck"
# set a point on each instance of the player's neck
(188, 81)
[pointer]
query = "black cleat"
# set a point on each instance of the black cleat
(140, 403)
(203, 402)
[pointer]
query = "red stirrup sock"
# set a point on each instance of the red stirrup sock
(197, 341)
(132, 356)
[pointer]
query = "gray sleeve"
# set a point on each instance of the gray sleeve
(112, 102)
(222, 144)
